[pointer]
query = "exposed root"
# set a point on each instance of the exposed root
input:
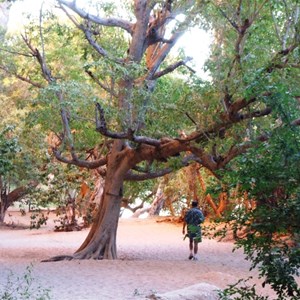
(71, 257)
(170, 219)
(59, 258)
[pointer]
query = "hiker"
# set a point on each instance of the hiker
(193, 218)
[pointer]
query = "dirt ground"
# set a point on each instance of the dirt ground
(153, 259)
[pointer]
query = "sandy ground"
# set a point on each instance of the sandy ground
(152, 260)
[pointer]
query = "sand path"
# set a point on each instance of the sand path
(152, 259)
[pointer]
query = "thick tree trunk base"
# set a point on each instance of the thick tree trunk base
(98, 254)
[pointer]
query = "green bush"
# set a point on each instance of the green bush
(21, 288)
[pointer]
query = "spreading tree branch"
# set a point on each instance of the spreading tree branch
(162, 54)
(41, 60)
(89, 34)
(101, 127)
(130, 176)
(103, 86)
(112, 22)
(22, 78)
(172, 67)
(79, 163)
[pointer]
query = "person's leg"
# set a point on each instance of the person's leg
(195, 249)
(191, 248)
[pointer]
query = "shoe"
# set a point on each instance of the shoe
(194, 258)
(191, 257)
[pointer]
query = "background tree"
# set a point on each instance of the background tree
(269, 232)
(267, 175)
(14, 184)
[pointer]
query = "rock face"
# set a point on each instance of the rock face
(201, 291)
(4, 14)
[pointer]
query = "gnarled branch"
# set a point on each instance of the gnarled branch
(79, 163)
(130, 176)
(101, 127)
(172, 67)
(112, 22)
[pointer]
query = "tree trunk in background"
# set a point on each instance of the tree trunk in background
(169, 204)
(158, 201)
(7, 198)
(4, 201)
(3, 207)
(223, 201)
(208, 197)
(191, 175)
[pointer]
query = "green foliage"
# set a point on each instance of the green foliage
(20, 158)
(45, 112)
(57, 183)
(240, 291)
(271, 231)
(38, 218)
(24, 287)
(166, 112)
(9, 147)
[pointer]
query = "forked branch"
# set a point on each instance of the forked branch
(79, 163)
(101, 127)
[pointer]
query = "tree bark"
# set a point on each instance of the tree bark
(101, 240)
(158, 201)
(208, 197)
(223, 198)
(3, 208)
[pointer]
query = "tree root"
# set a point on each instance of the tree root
(59, 258)
(70, 257)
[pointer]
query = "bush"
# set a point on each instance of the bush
(21, 288)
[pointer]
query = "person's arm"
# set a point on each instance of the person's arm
(183, 228)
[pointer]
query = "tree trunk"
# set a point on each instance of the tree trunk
(3, 200)
(223, 197)
(158, 201)
(208, 197)
(8, 198)
(101, 240)
(3, 208)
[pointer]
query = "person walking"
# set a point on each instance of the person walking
(192, 220)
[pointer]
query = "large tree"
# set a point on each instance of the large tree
(127, 59)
